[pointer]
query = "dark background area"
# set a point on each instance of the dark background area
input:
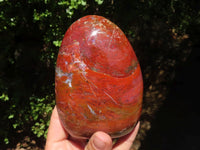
(176, 124)
(164, 34)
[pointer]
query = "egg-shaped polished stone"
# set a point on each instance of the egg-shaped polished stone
(98, 82)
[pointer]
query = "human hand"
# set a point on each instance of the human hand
(59, 139)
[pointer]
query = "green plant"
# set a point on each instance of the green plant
(40, 113)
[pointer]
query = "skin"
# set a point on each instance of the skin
(59, 139)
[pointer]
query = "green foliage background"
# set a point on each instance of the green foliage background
(31, 32)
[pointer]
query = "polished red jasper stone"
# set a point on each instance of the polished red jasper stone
(98, 80)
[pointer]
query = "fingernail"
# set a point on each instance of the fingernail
(99, 144)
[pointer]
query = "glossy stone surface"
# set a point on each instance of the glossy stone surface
(98, 80)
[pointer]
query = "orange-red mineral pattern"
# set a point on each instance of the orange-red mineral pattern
(98, 82)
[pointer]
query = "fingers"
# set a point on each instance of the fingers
(126, 142)
(56, 131)
(57, 137)
(99, 141)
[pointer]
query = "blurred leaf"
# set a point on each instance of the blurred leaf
(6, 140)
(57, 43)
(11, 116)
(99, 1)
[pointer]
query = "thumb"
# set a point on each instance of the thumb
(99, 141)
